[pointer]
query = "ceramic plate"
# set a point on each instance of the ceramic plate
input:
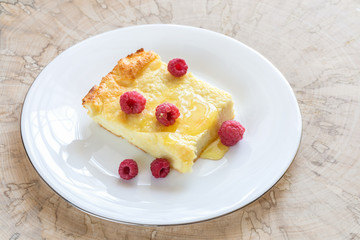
(79, 160)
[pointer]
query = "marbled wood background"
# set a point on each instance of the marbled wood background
(314, 43)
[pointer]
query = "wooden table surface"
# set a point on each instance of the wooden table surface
(314, 43)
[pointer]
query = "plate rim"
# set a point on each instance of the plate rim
(170, 224)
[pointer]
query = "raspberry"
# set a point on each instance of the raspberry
(132, 102)
(177, 67)
(128, 169)
(160, 168)
(167, 113)
(231, 132)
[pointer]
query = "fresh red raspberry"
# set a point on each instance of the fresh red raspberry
(160, 168)
(177, 67)
(128, 169)
(132, 102)
(167, 113)
(231, 132)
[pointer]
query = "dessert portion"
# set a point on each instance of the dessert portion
(201, 109)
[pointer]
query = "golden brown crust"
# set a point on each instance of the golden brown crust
(128, 68)
(91, 95)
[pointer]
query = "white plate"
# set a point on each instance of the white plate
(79, 160)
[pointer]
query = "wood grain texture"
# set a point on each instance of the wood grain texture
(314, 43)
